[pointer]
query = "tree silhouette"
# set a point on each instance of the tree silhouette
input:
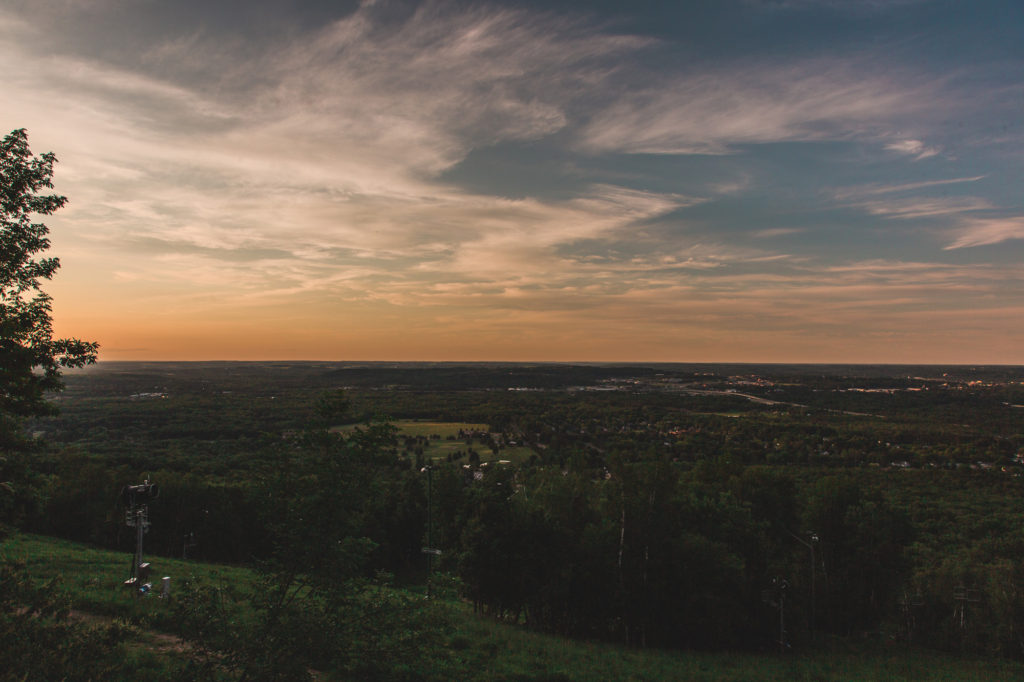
(30, 358)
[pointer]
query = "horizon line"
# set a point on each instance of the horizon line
(568, 362)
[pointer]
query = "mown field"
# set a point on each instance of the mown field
(443, 440)
(478, 647)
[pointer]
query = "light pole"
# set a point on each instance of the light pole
(781, 585)
(813, 537)
(430, 550)
(810, 545)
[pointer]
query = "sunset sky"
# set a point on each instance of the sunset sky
(729, 180)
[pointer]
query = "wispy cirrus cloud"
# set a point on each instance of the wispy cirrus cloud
(876, 188)
(986, 231)
(968, 218)
(777, 232)
(914, 148)
(339, 135)
(855, 6)
(924, 207)
(710, 112)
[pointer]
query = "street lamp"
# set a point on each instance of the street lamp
(813, 540)
(781, 585)
(810, 545)
(430, 550)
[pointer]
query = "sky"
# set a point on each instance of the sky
(706, 181)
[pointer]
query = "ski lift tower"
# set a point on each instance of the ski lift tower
(136, 501)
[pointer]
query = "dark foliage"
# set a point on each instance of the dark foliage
(30, 358)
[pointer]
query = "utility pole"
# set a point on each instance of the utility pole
(908, 603)
(813, 537)
(775, 596)
(963, 596)
(811, 544)
(781, 584)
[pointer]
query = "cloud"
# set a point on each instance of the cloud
(711, 112)
(776, 232)
(330, 142)
(854, 6)
(985, 231)
(923, 207)
(417, 96)
(359, 99)
(873, 189)
(963, 216)
(915, 148)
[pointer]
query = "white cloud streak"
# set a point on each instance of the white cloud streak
(914, 148)
(331, 142)
(924, 207)
(710, 112)
(874, 189)
(985, 231)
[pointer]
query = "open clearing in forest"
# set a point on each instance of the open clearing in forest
(448, 442)
(415, 427)
(412, 427)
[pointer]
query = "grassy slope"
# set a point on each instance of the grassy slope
(483, 649)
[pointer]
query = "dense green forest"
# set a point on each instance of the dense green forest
(696, 507)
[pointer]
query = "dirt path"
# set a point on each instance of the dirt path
(158, 642)
(161, 642)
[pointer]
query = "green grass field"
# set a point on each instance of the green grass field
(441, 448)
(504, 652)
(410, 427)
(483, 649)
(94, 577)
